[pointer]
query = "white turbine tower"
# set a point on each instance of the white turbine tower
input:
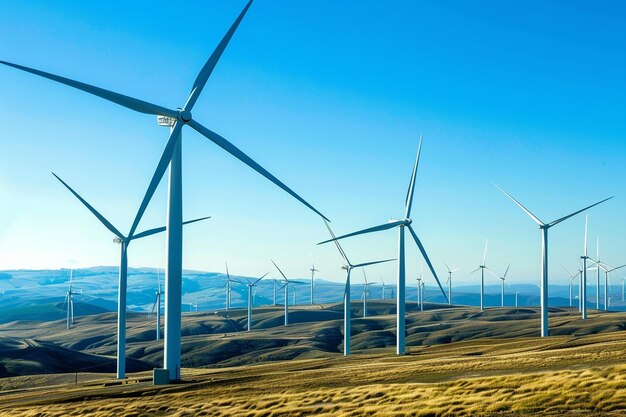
(123, 241)
(597, 261)
(571, 286)
(401, 224)
(449, 282)
(384, 287)
(607, 270)
(251, 284)
(157, 306)
(419, 292)
(172, 157)
(503, 279)
(544, 227)
(348, 267)
(286, 288)
(482, 268)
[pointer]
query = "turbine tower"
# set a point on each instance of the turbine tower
(402, 224)
(544, 227)
(482, 268)
(123, 241)
(450, 271)
(286, 288)
(503, 279)
(228, 286)
(583, 276)
(348, 267)
(607, 269)
(157, 305)
(384, 287)
(571, 287)
(419, 292)
(172, 157)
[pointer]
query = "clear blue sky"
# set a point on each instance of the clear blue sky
(330, 97)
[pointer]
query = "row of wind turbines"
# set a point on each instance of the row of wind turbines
(176, 120)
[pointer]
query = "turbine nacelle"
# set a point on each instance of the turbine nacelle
(403, 222)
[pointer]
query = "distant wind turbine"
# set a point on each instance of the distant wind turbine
(482, 268)
(313, 271)
(250, 284)
(123, 241)
(228, 286)
(384, 287)
(607, 269)
(365, 290)
(544, 259)
(348, 267)
(503, 279)
(172, 156)
(157, 305)
(401, 224)
(449, 282)
(69, 302)
(286, 288)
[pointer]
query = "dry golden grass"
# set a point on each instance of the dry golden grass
(558, 376)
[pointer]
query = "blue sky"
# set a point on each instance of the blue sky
(331, 98)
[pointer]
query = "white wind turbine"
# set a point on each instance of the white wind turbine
(69, 301)
(313, 271)
(420, 292)
(544, 227)
(250, 284)
(607, 270)
(277, 287)
(228, 287)
(449, 282)
(172, 157)
(571, 287)
(286, 283)
(365, 290)
(482, 268)
(123, 241)
(401, 224)
(597, 261)
(348, 267)
(157, 306)
(503, 279)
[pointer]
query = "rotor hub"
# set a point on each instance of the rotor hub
(184, 116)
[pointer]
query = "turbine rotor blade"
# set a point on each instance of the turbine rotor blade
(281, 272)
(237, 153)
(409, 194)
(166, 157)
(576, 212)
(125, 101)
(208, 67)
(532, 216)
(334, 239)
(430, 265)
(507, 271)
(618, 267)
(372, 263)
(254, 283)
(156, 230)
(485, 252)
(93, 211)
(385, 226)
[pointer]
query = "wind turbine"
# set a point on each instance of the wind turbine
(286, 288)
(227, 285)
(313, 271)
(450, 271)
(348, 267)
(276, 289)
(157, 305)
(172, 157)
(516, 293)
(482, 268)
(544, 227)
(571, 277)
(365, 290)
(69, 301)
(503, 279)
(607, 269)
(384, 287)
(401, 224)
(251, 284)
(123, 241)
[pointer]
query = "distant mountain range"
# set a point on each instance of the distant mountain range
(39, 294)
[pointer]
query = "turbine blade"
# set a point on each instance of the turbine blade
(385, 226)
(281, 272)
(334, 239)
(485, 252)
(566, 271)
(507, 271)
(166, 157)
(156, 230)
(430, 265)
(227, 274)
(409, 194)
(372, 263)
(576, 212)
(125, 101)
(208, 67)
(477, 269)
(156, 299)
(616, 268)
(447, 267)
(93, 211)
(264, 275)
(532, 216)
(237, 153)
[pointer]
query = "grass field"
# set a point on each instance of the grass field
(578, 375)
